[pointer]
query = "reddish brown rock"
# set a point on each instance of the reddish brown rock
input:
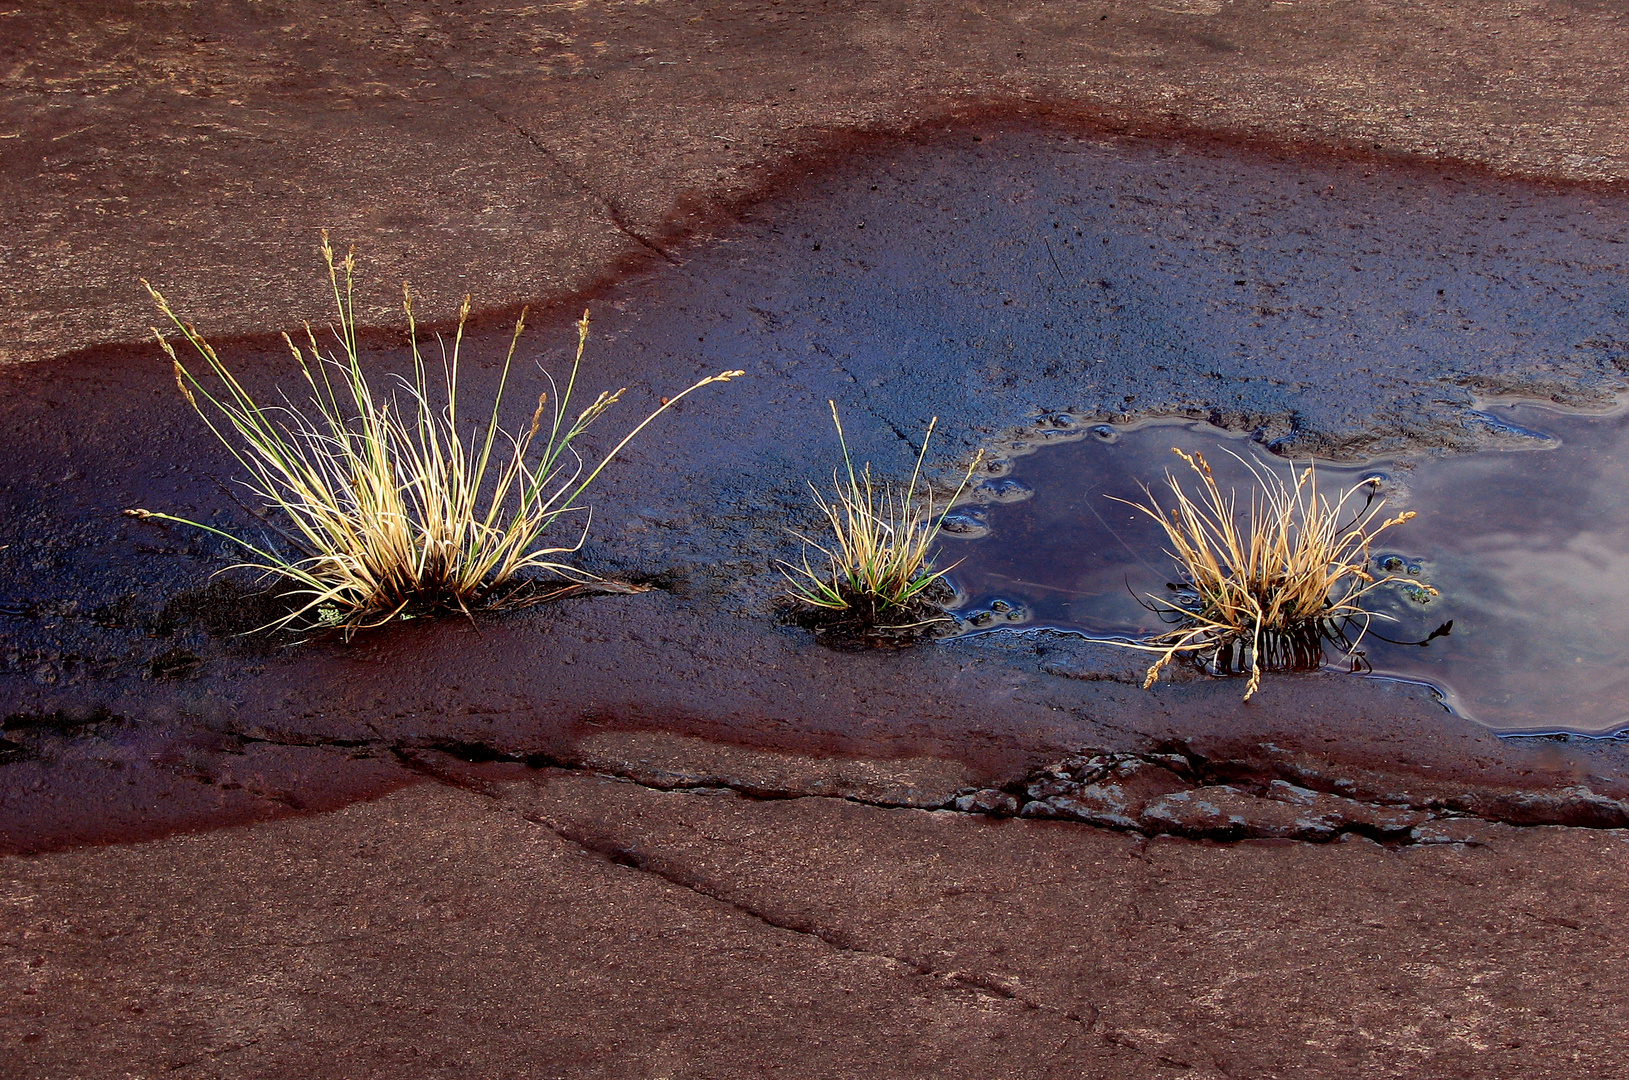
(1111, 791)
(1371, 817)
(573, 925)
(1226, 813)
(527, 153)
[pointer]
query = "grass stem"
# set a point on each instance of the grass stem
(877, 568)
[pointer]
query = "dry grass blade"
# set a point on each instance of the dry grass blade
(390, 500)
(877, 569)
(1264, 586)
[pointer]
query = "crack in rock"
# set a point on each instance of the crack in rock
(1180, 793)
(657, 778)
(674, 873)
(624, 854)
(613, 211)
(1169, 791)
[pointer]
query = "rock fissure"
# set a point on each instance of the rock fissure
(1166, 791)
(624, 854)
(1176, 791)
(675, 873)
(651, 779)
(1169, 789)
(613, 212)
(668, 870)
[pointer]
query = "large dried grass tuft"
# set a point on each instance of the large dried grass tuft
(389, 500)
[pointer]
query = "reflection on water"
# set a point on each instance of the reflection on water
(1529, 552)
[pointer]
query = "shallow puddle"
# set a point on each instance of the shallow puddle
(1529, 552)
(1342, 307)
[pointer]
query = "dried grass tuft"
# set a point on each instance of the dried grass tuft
(877, 573)
(389, 505)
(1264, 587)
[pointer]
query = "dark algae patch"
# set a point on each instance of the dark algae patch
(1511, 595)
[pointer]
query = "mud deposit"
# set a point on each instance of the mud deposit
(1527, 552)
(993, 278)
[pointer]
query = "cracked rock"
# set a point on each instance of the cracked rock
(986, 801)
(1117, 788)
(1575, 805)
(1468, 831)
(1225, 812)
(1388, 820)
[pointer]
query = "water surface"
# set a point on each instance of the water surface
(1528, 551)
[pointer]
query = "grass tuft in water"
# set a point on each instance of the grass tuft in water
(389, 507)
(873, 579)
(1264, 587)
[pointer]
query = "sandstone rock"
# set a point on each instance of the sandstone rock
(1577, 804)
(1471, 832)
(1120, 787)
(1225, 812)
(986, 801)
(1387, 820)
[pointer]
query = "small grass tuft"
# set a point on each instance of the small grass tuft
(878, 581)
(389, 507)
(1266, 588)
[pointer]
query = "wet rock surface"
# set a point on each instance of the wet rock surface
(557, 686)
(1051, 279)
(662, 834)
(1485, 593)
(1176, 794)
